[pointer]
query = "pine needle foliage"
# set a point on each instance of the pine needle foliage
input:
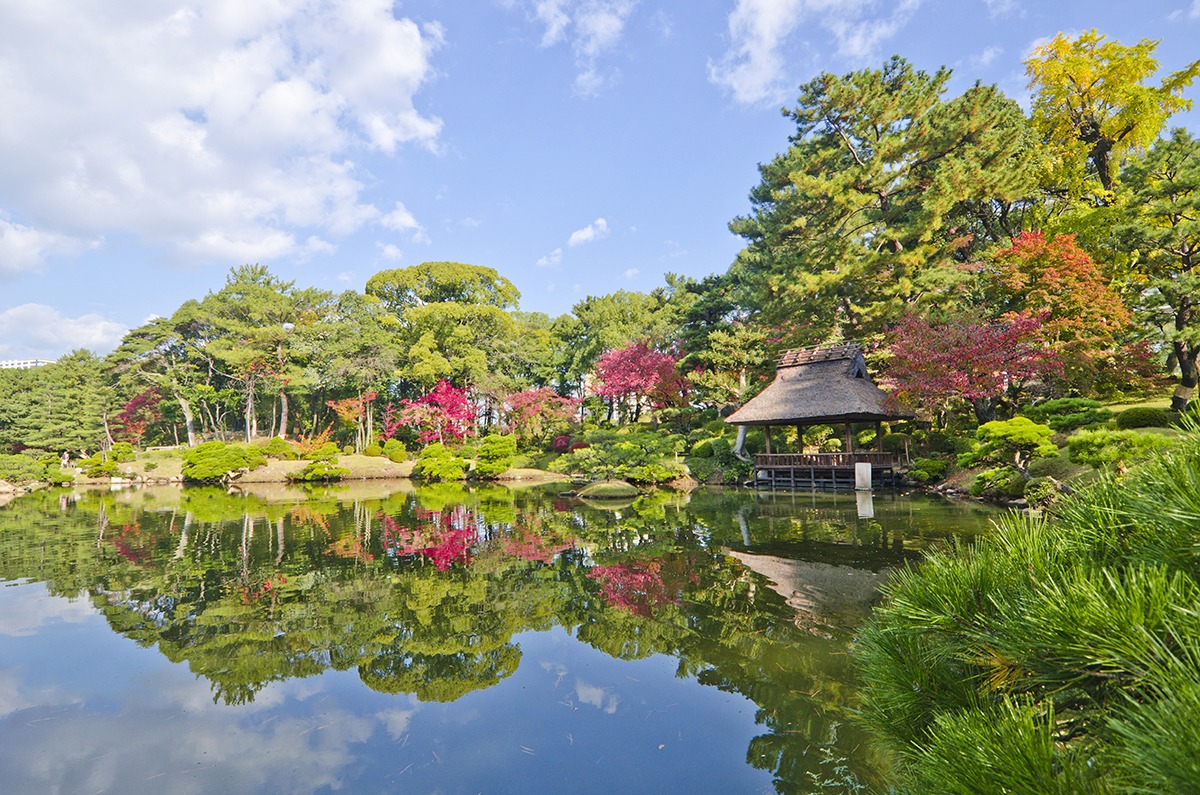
(1058, 655)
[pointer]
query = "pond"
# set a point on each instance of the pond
(377, 638)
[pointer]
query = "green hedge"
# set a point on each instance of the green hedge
(1144, 417)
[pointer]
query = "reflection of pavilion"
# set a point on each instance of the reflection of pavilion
(819, 386)
(821, 593)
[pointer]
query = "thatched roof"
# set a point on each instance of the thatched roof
(816, 386)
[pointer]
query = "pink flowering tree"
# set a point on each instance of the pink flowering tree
(636, 375)
(935, 363)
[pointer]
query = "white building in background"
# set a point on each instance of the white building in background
(22, 364)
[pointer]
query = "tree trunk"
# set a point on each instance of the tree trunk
(283, 414)
(185, 407)
(251, 414)
(985, 409)
(1188, 375)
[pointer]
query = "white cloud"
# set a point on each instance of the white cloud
(594, 28)
(1194, 13)
(594, 231)
(24, 249)
(754, 68)
(217, 127)
(37, 330)
(389, 251)
(596, 696)
(401, 220)
(553, 258)
(998, 9)
(987, 57)
(631, 273)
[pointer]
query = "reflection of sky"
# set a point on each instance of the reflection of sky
(84, 709)
(26, 609)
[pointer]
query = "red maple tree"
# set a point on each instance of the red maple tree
(445, 413)
(934, 363)
(638, 373)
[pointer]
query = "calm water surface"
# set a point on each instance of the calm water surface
(441, 640)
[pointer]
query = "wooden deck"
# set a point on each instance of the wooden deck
(823, 471)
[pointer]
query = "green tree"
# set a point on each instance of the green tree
(867, 210)
(602, 323)
(255, 315)
(1161, 229)
(440, 283)
(67, 405)
(169, 353)
(453, 319)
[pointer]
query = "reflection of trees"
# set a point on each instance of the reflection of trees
(438, 677)
(248, 592)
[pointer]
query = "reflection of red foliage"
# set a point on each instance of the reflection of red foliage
(350, 547)
(530, 545)
(132, 545)
(269, 587)
(640, 585)
(443, 545)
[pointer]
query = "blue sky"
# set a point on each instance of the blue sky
(577, 146)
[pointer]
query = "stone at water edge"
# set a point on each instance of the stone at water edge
(609, 489)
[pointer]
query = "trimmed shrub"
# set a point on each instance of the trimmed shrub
(122, 452)
(928, 470)
(1001, 483)
(1144, 417)
(395, 450)
(437, 462)
(281, 448)
(1064, 415)
(326, 452)
(97, 467)
(374, 450)
(323, 471)
(20, 468)
(212, 461)
(703, 448)
(1040, 492)
(495, 455)
(1115, 449)
(635, 456)
(348, 449)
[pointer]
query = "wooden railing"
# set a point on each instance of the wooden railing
(824, 460)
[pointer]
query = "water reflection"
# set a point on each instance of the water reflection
(438, 595)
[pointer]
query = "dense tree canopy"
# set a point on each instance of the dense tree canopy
(865, 213)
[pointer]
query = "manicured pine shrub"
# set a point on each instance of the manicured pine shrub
(281, 448)
(495, 455)
(437, 462)
(1144, 417)
(210, 462)
(395, 450)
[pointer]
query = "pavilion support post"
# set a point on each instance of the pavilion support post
(849, 439)
(799, 438)
(879, 436)
(767, 434)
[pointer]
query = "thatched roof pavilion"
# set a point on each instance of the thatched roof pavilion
(825, 385)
